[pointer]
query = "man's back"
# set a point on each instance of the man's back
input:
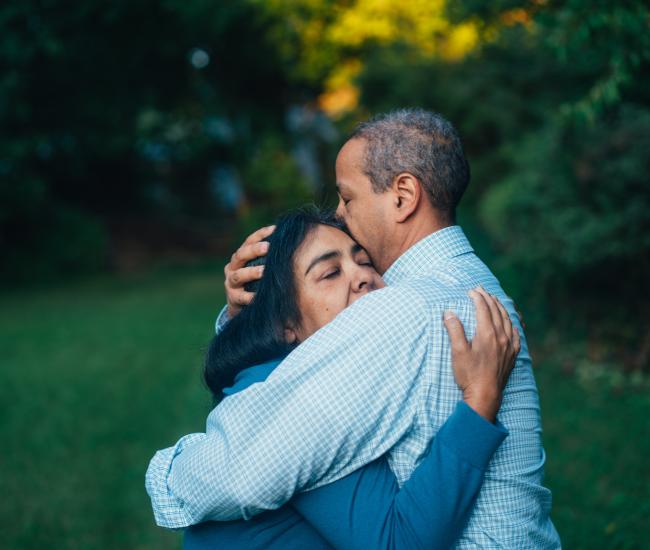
(513, 507)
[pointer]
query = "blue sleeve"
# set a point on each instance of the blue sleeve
(282, 529)
(366, 509)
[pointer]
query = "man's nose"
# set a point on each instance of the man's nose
(339, 210)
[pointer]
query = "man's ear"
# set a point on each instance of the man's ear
(407, 192)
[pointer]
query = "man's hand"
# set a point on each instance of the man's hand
(238, 275)
(482, 367)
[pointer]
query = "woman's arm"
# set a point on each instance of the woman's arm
(367, 509)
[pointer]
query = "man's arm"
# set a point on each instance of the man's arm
(324, 426)
(167, 510)
(340, 400)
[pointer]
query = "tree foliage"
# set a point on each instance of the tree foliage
(187, 110)
(553, 104)
(107, 112)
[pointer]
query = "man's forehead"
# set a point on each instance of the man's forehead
(341, 186)
(352, 151)
(349, 163)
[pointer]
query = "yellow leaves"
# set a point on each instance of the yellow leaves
(344, 73)
(415, 22)
(328, 39)
(418, 24)
(339, 101)
(341, 95)
(516, 16)
(460, 41)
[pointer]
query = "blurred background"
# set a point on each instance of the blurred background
(141, 141)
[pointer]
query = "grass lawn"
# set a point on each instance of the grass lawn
(96, 376)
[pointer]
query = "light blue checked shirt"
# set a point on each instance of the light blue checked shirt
(377, 379)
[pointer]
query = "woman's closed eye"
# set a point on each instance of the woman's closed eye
(331, 273)
(363, 259)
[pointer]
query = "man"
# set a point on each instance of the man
(378, 378)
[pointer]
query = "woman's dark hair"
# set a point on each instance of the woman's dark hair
(256, 334)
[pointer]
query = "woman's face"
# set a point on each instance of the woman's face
(331, 271)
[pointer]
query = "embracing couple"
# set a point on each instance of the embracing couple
(352, 410)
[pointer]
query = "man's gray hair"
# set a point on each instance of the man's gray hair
(421, 143)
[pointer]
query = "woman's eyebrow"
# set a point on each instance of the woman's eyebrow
(326, 256)
(356, 248)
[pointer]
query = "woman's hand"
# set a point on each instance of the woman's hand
(482, 367)
(237, 275)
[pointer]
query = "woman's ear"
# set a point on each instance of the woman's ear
(407, 192)
(290, 336)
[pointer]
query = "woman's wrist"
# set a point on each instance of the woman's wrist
(485, 401)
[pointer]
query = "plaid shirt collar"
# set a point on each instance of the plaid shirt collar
(440, 246)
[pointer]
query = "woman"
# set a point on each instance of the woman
(313, 271)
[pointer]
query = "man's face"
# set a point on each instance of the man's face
(366, 213)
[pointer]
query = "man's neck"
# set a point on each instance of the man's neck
(412, 234)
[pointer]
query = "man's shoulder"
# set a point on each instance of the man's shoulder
(438, 287)
(391, 304)
(412, 302)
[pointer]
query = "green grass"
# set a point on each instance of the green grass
(96, 376)
(597, 442)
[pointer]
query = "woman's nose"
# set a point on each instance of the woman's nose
(361, 280)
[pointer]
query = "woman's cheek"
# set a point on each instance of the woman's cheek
(333, 306)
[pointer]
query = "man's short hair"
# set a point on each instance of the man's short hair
(421, 143)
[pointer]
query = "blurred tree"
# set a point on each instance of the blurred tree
(553, 105)
(326, 41)
(576, 197)
(116, 109)
(170, 110)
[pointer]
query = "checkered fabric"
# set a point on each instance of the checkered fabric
(376, 380)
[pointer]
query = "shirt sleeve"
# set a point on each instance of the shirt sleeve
(222, 320)
(367, 509)
(166, 509)
(342, 399)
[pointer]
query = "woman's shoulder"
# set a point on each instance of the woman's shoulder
(251, 375)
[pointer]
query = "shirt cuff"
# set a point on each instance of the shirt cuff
(168, 511)
(222, 320)
(471, 436)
